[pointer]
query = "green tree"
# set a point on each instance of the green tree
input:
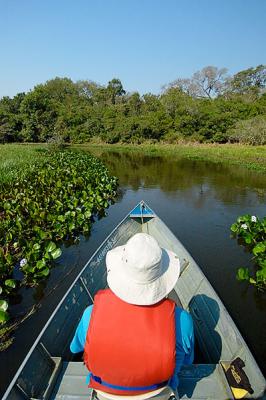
(41, 107)
(251, 79)
(115, 90)
(206, 107)
(10, 118)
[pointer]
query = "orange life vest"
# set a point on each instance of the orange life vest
(130, 349)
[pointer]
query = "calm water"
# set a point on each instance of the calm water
(198, 201)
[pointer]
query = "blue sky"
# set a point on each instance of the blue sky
(145, 43)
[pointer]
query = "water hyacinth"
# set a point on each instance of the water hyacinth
(251, 233)
(55, 203)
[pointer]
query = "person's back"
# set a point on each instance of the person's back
(134, 338)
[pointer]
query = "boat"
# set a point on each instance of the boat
(49, 371)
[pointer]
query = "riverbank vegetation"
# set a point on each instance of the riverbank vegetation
(55, 201)
(209, 107)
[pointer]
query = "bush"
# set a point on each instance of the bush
(110, 137)
(251, 131)
(173, 137)
(56, 142)
(220, 138)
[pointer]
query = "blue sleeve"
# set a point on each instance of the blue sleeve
(78, 342)
(184, 343)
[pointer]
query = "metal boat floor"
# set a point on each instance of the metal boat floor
(202, 381)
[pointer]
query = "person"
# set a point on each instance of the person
(134, 337)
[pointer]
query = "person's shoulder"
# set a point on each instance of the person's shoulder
(87, 312)
(102, 293)
(183, 318)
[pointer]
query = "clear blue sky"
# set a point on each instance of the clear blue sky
(145, 43)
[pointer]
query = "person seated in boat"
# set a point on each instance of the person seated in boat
(135, 339)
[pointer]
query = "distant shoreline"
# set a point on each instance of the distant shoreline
(250, 157)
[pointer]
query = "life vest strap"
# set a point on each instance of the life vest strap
(131, 388)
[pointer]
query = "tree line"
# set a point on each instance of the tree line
(210, 106)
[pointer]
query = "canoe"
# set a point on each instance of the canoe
(49, 371)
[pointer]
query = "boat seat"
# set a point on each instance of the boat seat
(202, 381)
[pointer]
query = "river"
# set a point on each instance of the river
(198, 201)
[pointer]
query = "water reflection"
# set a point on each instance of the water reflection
(199, 201)
(229, 184)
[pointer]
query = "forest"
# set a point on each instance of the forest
(209, 107)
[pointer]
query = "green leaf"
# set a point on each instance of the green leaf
(261, 275)
(244, 218)
(3, 305)
(50, 247)
(243, 274)
(10, 283)
(7, 206)
(261, 262)
(36, 247)
(248, 238)
(42, 234)
(251, 280)
(87, 214)
(9, 259)
(9, 236)
(40, 264)
(259, 248)
(28, 269)
(56, 253)
(3, 316)
(45, 272)
(71, 226)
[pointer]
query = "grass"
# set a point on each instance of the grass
(251, 157)
(18, 160)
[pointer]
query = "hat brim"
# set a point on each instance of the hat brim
(139, 293)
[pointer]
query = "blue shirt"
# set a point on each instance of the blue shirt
(184, 340)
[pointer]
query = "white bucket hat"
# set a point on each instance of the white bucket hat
(141, 272)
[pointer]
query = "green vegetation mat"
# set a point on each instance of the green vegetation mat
(45, 200)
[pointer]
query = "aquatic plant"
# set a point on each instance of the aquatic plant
(251, 233)
(55, 203)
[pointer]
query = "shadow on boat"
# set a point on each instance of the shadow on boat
(205, 313)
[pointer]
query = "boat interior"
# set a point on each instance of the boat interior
(52, 372)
